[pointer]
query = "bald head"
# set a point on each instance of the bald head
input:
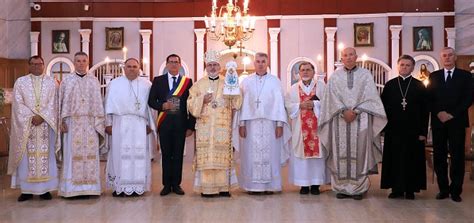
(349, 57)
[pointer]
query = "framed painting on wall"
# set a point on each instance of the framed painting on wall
(114, 38)
(60, 41)
(363, 34)
(423, 38)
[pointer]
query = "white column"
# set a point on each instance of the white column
(86, 38)
(146, 33)
(34, 43)
(274, 50)
(330, 32)
(451, 36)
(395, 31)
(199, 52)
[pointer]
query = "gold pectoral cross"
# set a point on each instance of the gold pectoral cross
(404, 103)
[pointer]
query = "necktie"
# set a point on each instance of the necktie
(175, 83)
(449, 77)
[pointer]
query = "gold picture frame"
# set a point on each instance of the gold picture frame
(114, 38)
(363, 34)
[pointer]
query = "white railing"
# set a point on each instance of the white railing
(379, 69)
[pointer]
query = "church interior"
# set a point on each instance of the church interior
(290, 32)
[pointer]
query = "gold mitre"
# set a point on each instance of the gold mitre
(212, 56)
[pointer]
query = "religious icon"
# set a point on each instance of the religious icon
(60, 41)
(114, 38)
(231, 84)
(424, 72)
(423, 38)
(364, 34)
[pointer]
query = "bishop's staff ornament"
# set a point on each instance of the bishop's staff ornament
(231, 83)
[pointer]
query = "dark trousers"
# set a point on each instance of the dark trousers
(449, 139)
(172, 141)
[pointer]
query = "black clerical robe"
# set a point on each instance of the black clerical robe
(403, 164)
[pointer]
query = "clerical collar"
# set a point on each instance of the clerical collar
(404, 78)
(263, 75)
(81, 75)
(214, 78)
(350, 70)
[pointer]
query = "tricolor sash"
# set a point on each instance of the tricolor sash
(309, 127)
(178, 91)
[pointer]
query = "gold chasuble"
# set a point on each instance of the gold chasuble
(33, 95)
(213, 155)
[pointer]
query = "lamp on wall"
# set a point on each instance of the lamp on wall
(231, 23)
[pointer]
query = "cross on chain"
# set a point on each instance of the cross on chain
(404, 103)
(258, 102)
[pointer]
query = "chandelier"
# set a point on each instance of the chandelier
(230, 23)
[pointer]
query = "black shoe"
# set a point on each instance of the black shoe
(224, 194)
(24, 197)
(410, 196)
(441, 196)
(268, 192)
(178, 190)
(394, 195)
(46, 196)
(208, 195)
(165, 191)
(255, 192)
(315, 190)
(342, 196)
(357, 197)
(304, 190)
(456, 198)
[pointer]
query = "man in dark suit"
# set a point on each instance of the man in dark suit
(450, 97)
(168, 95)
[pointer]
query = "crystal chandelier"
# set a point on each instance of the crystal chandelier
(230, 23)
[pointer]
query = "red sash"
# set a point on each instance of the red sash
(182, 86)
(309, 127)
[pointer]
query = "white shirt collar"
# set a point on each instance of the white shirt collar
(404, 78)
(171, 76)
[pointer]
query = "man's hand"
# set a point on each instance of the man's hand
(242, 131)
(444, 116)
(37, 120)
(168, 106)
(207, 98)
(422, 138)
(148, 130)
(63, 127)
(308, 105)
(189, 132)
(278, 132)
(108, 130)
(349, 115)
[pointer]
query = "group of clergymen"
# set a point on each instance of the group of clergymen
(330, 133)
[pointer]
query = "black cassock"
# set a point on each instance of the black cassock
(403, 164)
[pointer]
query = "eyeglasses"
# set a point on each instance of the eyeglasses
(130, 66)
(173, 62)
(36, 64)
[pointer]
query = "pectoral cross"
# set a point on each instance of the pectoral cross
(404, 103)
(258, 102)
(137, 105)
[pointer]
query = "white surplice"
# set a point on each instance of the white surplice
(128, 165)
(304, 171)
(261, 153)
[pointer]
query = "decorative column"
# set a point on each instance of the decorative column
(85, 39)
(451, 37)
(200, 33)
(395, 31)
(274, 50)
(34, 43)
(330, 32)
(146, 33)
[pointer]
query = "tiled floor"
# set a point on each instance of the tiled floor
(288, 206)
